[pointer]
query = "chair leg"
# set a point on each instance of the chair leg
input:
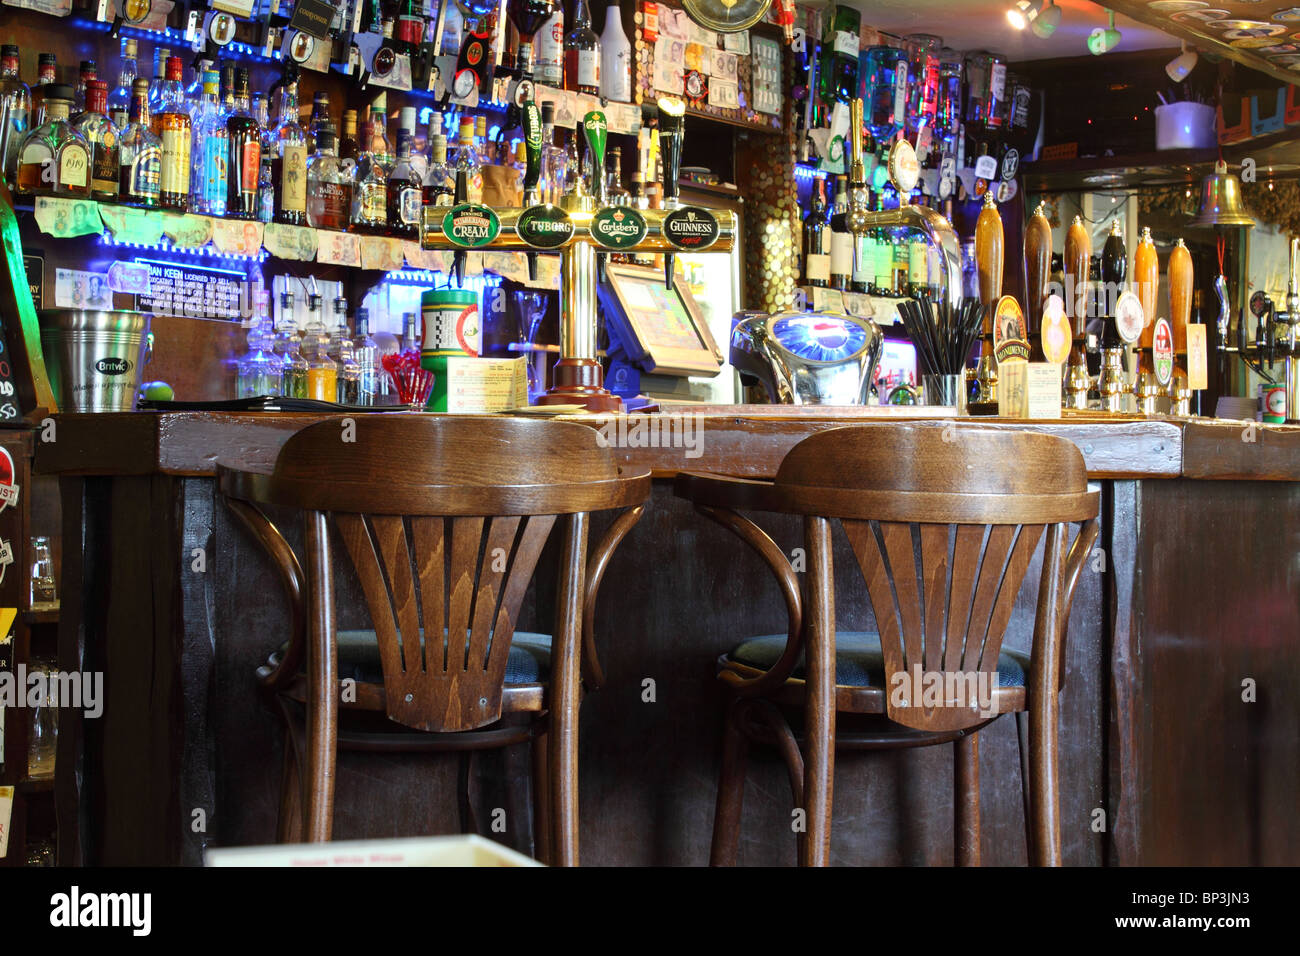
(1043, 797)
(731, 787)
(819, 766)
(565, 693)
(966, 822)
(541, 793)
(323, 684)
(1022, 739)
(468, 818)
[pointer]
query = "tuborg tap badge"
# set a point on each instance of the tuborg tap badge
(470, 225)
(532, 124)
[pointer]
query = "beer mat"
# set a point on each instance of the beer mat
(263, 403)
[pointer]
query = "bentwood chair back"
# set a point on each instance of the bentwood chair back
(444, 521)
(943, 524)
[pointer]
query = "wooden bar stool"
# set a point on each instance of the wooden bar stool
(943, 528)
(444, 520)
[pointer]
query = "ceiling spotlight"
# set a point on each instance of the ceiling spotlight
(1045, 21)
(1181, 65)
(1021, 12)
(1104, 40)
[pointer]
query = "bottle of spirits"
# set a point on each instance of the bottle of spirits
(289, 160)
(322, 371)
(260, 111)
(548, 48)
(329, 185)
(119, 99)
(87, 73)
(816, 239)
(210, 150)
(101, 136)
(285, 326)
(46, 65)
(347, 144)
(408, 30)
(439, 186)
(338, 327)
(349, 375)
(615, 57)
(373, 383)
(410, 332)
(173, 128)
(582, 53)
(244, 156)
(258, 371)
(370, 201)
(15, 112)
(54, 157)
(465, 162)
(140, 152)
(405, 185)
(194, 92)
(528, 17)
(161, 55)
(320, 118)
(841, 239)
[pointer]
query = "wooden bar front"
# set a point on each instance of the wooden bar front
(1180, 713)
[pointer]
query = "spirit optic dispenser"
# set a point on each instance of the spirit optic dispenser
(577, 229)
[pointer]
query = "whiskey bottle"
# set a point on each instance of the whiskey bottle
(15, 112)
(329, 185)
(140, 152)
(370, 200)
(173, 128)
(405, 185)
(289, 160)
(101, 136)
(582, 53)
(54, 157)
(244, 155)
(529, 17)
(261, 112)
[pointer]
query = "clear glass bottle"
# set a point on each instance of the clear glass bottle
(101, 136)
(320, 118)
(157, 85)
(439, 184)
(286, 326)
(555, 160)
(405, 184)
(54, 157)
(615, 194)
(370, 200)
(465, 162)
(15, 113)
(210, 151)
(582, 53)
(548, 49)
(194, 92)
(338, 332)
(330, 183)
(293, 374)
(140, 153)
(87, 73)
(173, 128)
(46, 67)
(322, 371)
(374, 386)
(349, 375)
(244, 156)
(119, 98)
(265, 180)
(615, 57)
(289, 160)
(410, 332)
(258, 371)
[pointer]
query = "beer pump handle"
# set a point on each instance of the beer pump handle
(1180, 294)
(989, 244)
(1078, 253)
(1146, 276)
(1038, 266)
(532, 123)
(672, 115)
(596, 131)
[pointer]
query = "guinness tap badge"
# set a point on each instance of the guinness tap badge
(691, 228)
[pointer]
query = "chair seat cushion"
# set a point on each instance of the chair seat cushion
(529, 660)
(859, 661)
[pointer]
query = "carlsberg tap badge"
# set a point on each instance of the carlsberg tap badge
(617, 227)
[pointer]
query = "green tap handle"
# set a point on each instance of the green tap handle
(532, 150)
(595, 128)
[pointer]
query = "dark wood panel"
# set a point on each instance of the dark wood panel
(1219, 450)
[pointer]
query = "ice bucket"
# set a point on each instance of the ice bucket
(94, 357)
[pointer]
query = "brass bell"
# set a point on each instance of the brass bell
(1221, 203)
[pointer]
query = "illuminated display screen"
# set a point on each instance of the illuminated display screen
(820, 338)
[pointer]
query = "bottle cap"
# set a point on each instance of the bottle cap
(174, 68)
(58, 91)
(129, 47)
(325, 139)
(88, 66)
(140, 85)
(406, 118)
(8, 50)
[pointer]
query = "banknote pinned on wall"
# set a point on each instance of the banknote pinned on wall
(142, 226)
(187, 231)
(290, 242)
(67, 218)
(236, 238)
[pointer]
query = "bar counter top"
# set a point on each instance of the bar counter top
(742, 440)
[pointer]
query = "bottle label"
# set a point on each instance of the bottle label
(104, 168)
(38, 154)
(618, 76)
(588, 68)
(146, 173)
(374, 203)
(841, 253)
(408, 205)
(817, 268)
(997, 90)
(918, 263)
(409, 29)
(176, 161)
(214, 174)
(74, 166)
(549, 50)
(846, 43)
(293, 178)
(334, 205)
(900, 92)
(250, 165)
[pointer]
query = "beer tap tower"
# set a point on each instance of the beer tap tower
(578, 229)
